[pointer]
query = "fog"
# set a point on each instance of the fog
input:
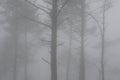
(59, 39)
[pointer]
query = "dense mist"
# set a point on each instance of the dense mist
(59, 40)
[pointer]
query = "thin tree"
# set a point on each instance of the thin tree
(14, 36)
(26, 53)
(82, 52)
(103, 43)
(70, 51)
(54, 40)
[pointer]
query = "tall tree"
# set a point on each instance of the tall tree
(13, 42)
(69, 52)
(54, 40)
(82, 52)
(17, 19)
(103, 42)
(53, 13)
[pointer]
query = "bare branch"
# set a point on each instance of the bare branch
(97, 22)
(63, 5)
(48, 2)
(45, 7)
(42, 6)
(36, 21)
(48, 42)
(38, 7)
(48, 61)
(45, 60)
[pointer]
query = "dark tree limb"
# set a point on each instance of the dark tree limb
(38, 7)
(97, 22)
(36, 21)
(45, 60)
(63, 5)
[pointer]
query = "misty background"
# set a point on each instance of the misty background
(59, 39)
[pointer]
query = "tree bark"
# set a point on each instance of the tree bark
(103, 44)
(82, 57)
(54, 41)
(15, 43)
(26, 53)
(69, 54)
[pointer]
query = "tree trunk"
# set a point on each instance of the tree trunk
(10, 48)
(82, 57)
(103, 44)
(54, 41)
(15, 44)
(69, 54)
(26, 53)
